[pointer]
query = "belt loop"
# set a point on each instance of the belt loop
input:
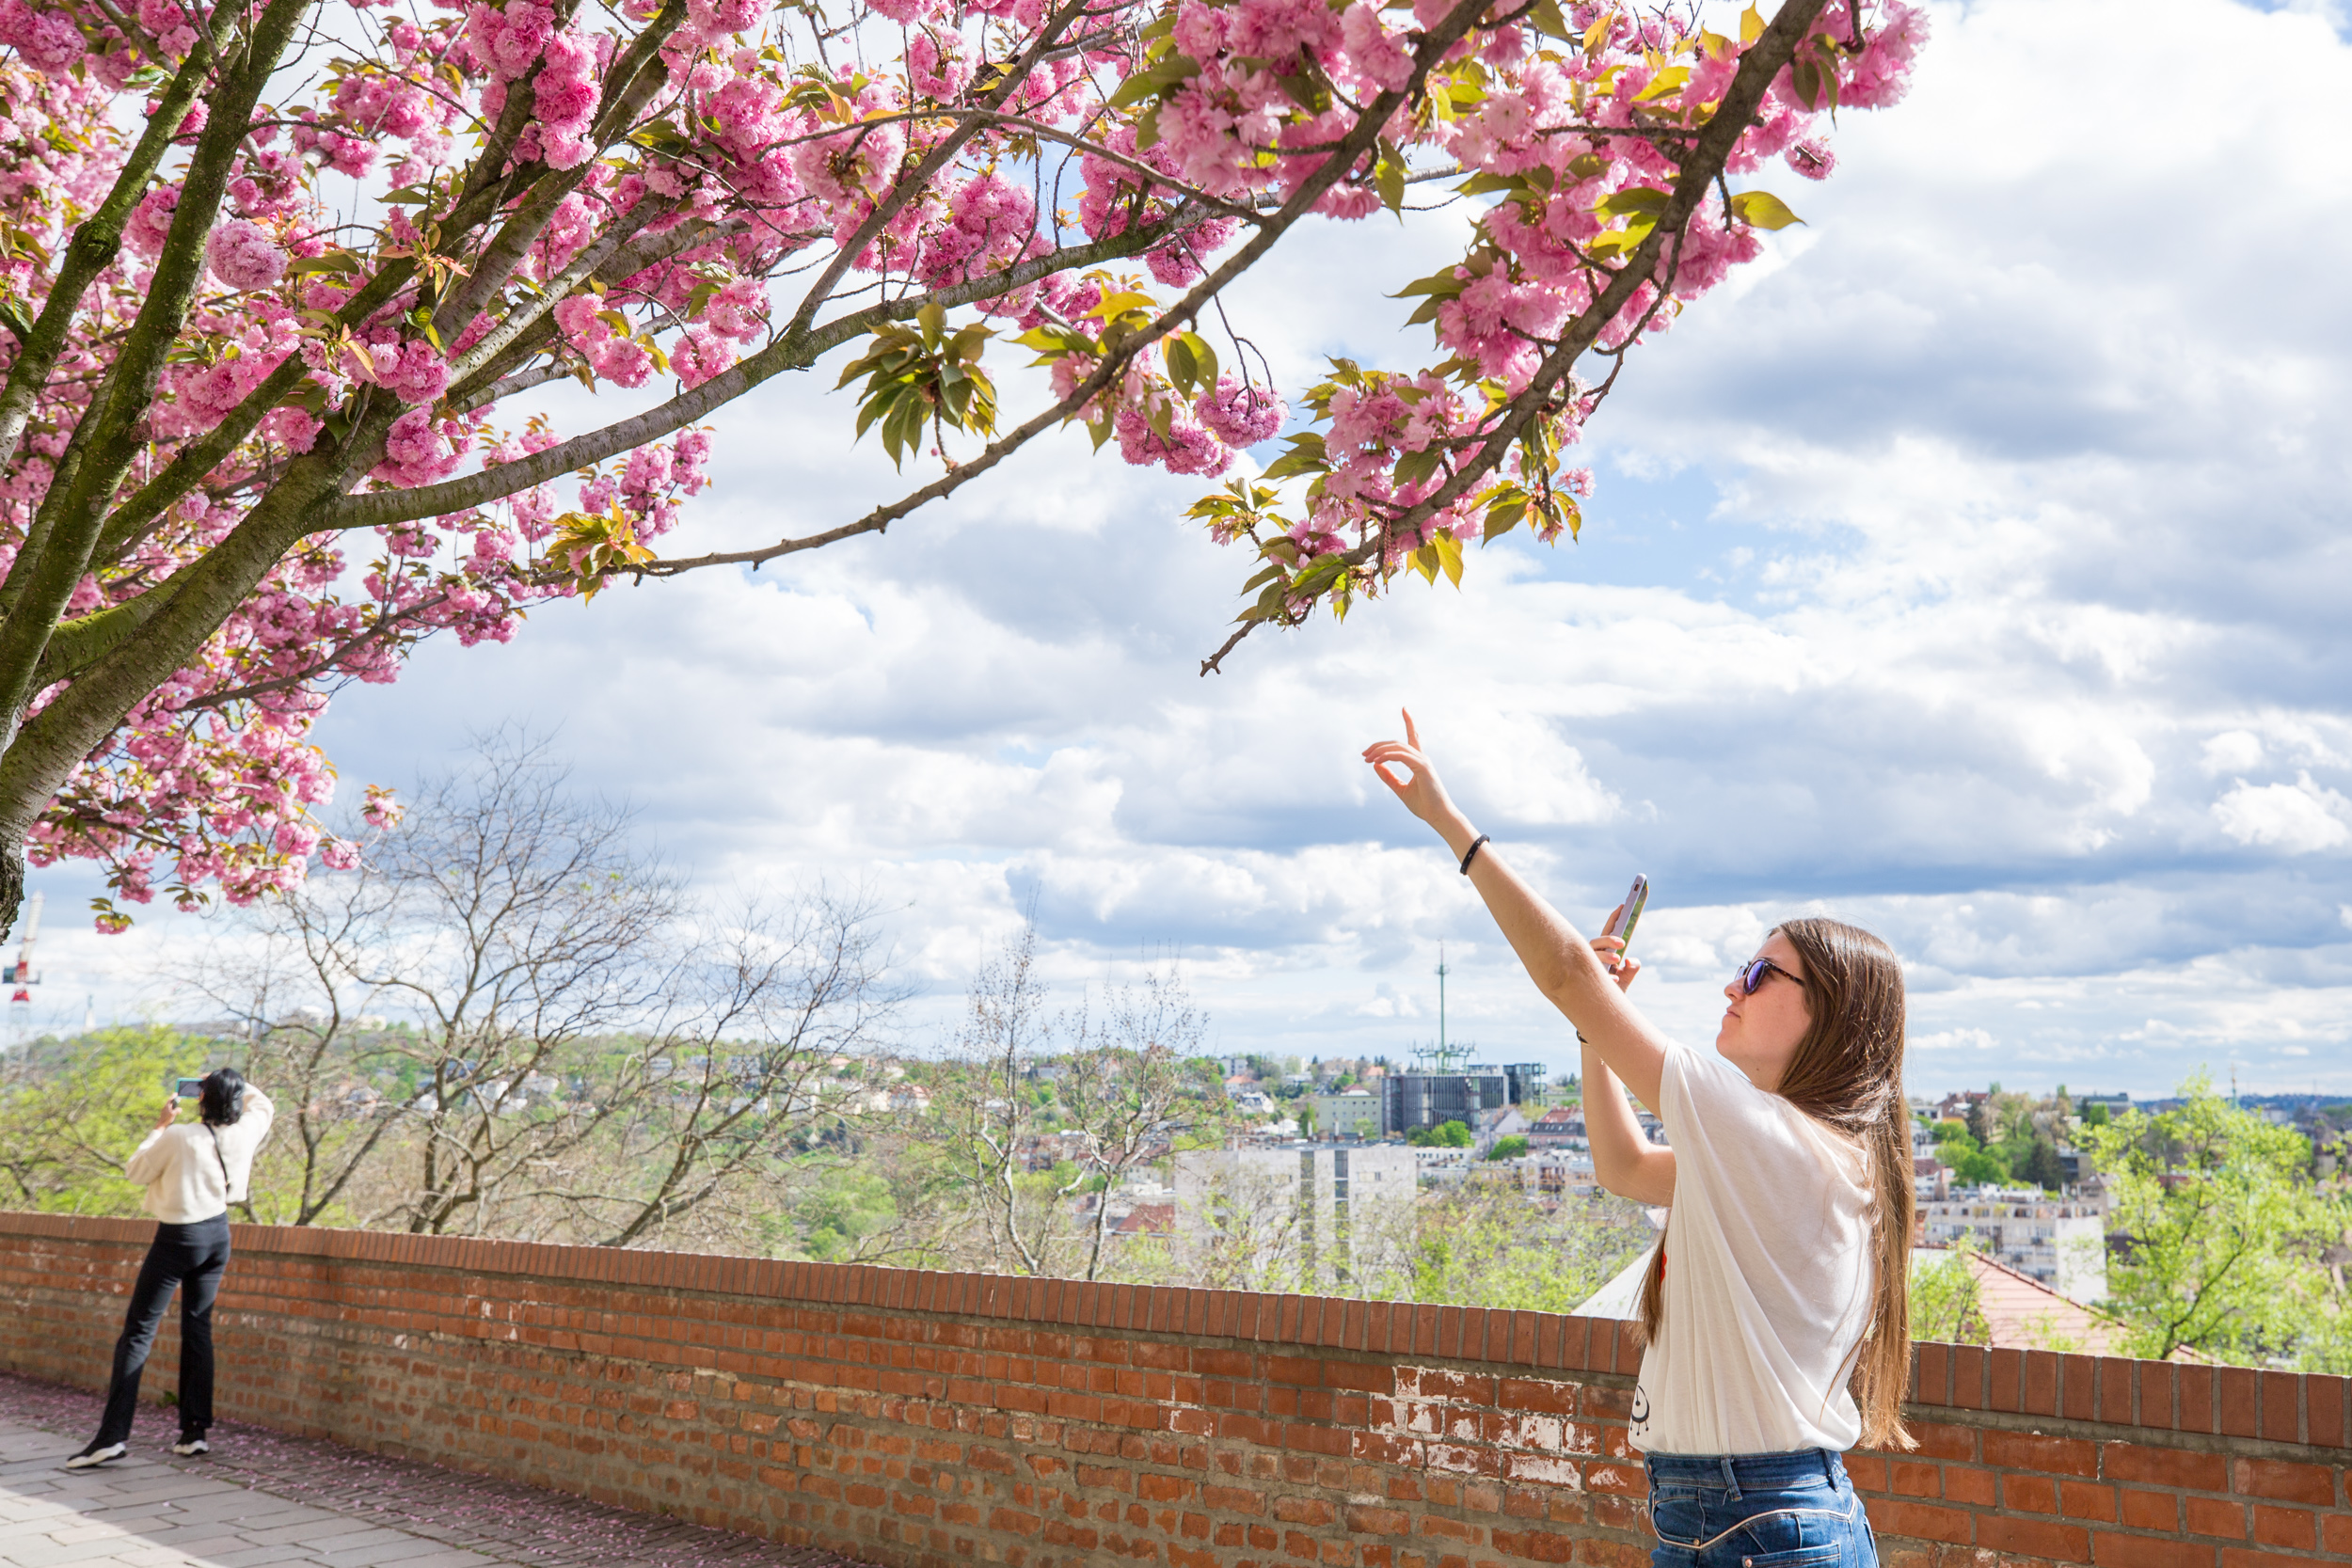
(1731, 1477)
(1829, 1466)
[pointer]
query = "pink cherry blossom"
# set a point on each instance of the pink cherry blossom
(243, 255)
(440, 207)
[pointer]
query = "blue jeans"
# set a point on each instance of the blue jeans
(1757, 1511)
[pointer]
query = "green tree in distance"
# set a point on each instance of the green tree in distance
(76, 1109)
(2221, 1225)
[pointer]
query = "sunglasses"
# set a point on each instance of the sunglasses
(1750, 975)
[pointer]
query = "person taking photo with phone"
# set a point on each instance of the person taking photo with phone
(192, 1175)
(1775, 1315)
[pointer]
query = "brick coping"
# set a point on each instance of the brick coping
(2289, 1408)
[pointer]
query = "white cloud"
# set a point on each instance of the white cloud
(2233, 751)
(1953, 1039)
(2299, 818)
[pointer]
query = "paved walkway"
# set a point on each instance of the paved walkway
(261, 1498)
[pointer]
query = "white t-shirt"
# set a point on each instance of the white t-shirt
(1769, 1273)
(188, 1176)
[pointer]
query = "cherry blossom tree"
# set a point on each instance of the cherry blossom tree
(277, 276)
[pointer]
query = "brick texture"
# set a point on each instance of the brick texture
(920, 1420)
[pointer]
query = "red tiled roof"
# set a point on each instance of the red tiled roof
(2022, 1314)
(1148, 1219)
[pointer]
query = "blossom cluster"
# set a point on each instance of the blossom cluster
(470, 199)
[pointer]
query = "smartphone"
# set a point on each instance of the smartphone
(189, 1088)
(1629, 914)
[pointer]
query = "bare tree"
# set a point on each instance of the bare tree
(776, 1014)
(985, 1116)
(312, 1040)
(1128, 1089)
(582, 1055)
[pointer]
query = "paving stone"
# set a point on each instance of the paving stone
(261, 1498)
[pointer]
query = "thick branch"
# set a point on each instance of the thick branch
(97, 242)
(104, 442)
(385, 507)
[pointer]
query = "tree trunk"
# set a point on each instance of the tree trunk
(11, 879)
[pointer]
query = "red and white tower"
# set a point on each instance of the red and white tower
(22, 977)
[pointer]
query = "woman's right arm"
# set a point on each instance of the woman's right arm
(1626, 1163)
(1561, 963)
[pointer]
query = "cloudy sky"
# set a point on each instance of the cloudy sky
(1972, 568)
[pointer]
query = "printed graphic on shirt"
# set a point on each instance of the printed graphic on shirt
(1641, 1409)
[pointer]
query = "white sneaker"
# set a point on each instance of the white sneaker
(191, 1443)
(95, 1454)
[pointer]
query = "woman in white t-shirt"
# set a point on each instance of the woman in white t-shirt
(1777, 1312)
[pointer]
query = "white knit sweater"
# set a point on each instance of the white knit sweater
(185, 1179)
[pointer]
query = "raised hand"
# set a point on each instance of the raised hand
(1416, 783)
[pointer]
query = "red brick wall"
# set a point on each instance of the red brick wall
(928, 1418)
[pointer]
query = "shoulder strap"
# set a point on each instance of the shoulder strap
(225, 1182)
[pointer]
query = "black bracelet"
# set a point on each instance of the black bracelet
(1471, 853)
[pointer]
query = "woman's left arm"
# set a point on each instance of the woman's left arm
(1561, 963)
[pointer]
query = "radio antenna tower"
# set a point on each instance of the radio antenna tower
(1441, 1057)
(20, 975)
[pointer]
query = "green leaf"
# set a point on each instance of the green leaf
(1181, 369)
(1306, 456)
(1449, 556)
(1326, 570)
(1120, 303)
(1155, 81)
(1806, 77)
(1442, 283)
(1485, 184)
(1416, 466)
(1203, 359)
(1621, 241)
(334, 260)
(1763, 210)
(1647, 200)
(1390, 175)
(1670, 80)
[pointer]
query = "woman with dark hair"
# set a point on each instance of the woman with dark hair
(192, 1175)
(1776, 1310)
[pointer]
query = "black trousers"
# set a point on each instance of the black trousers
(189, 1258)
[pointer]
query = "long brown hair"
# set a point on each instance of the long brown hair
(1848, 1073)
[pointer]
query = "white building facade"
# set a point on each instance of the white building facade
(2060, 1244)
(1295, 1215)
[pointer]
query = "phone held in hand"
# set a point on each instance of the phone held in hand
(1629, 913)
(189, 1088)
